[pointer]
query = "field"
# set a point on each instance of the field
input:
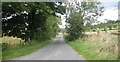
(98, 46)
(11, 40)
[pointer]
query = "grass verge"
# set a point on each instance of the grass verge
(84, 49)
(97, 46)
(23, 50)
(88, 52)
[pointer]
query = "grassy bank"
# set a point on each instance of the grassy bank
(102, 46)
(84, 50)
(23, 50)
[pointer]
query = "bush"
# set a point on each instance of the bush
(5, 46)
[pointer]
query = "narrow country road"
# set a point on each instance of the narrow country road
(57, 50)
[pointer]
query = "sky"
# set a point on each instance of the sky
(110, 12)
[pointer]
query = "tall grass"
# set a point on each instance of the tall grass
(11, 40)
(97, 46)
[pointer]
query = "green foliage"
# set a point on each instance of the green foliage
(91, 11)
(75, 28)
(109, 25)
(4, 46)
(84, 14)
(31, 20)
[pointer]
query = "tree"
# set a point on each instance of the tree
(80, 13)
(29, 20)
(75, 27)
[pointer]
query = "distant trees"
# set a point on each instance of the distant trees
(112, 24)
(109, 25)
(31, 20)
(82, 14)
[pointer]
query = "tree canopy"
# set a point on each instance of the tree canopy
(31, 20)
(81, 15)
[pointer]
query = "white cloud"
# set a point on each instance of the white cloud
(110, 14)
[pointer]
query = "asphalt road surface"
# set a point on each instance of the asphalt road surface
(57, 50)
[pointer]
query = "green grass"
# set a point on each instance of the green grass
(96, 47)
(88, 52)
(0, 55)
(84, 49)
(23, 50)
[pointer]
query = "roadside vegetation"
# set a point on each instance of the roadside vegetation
(94, 46)
(94, 42)
(27, 26)
(16, 50)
